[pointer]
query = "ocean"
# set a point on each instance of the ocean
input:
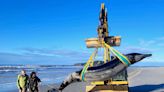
(49, 74)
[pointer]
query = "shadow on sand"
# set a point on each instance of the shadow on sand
(146, 88)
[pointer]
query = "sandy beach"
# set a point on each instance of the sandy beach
(141, 79)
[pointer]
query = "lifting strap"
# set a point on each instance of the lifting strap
(90, 60)
(120, 56)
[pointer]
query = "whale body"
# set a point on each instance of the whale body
(104, 71)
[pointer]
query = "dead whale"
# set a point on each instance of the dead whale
(103, 72)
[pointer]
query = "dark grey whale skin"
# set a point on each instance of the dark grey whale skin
(103, 72)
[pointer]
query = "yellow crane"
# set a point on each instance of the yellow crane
(118, 83)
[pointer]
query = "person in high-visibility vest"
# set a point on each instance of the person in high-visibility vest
(22, 81)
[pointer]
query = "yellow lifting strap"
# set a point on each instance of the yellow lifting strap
(106, 55)
(120, 56)
(90, 61)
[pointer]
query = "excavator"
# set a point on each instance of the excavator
(111, 75)
(119, 82)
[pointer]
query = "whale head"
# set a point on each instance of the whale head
(135, 57)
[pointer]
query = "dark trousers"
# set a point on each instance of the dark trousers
(34, 90)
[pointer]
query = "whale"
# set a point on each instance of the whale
(104, 71)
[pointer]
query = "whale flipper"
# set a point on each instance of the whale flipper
(71, 78)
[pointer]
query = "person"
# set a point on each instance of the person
(33, 82)
(22, 81)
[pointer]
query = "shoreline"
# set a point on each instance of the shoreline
(155, 83)
(42, 88)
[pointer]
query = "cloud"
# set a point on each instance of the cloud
(13, 58)
(147, 43)
(154, 46)
(66, 56)
(44, 56)
(161, 44)
(153, 42)
(160, 38)
(133, 49)
(56, 52)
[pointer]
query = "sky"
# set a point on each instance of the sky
(54, 31)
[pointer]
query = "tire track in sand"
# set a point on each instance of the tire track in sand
(134, 73)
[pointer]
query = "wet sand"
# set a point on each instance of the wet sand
(147, 79)
(141, 79)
